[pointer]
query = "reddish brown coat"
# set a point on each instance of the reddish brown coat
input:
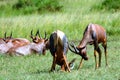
(93, 35)
(58, 45)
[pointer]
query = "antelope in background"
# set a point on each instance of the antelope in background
(17, 42)
(58, 45)
(8, 42)
(37, 46)
(93, 35)
(5, 39)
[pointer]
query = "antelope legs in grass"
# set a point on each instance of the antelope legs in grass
(105, 51)
(80, 65)
(53, 64)
(66, 63)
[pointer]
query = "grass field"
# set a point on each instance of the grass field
(72, 20)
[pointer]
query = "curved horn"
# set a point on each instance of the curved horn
(73, 46)
(76, 50)
(11, 35)
(45, 35)
(31, 33)
(5, 35)
(38, 33)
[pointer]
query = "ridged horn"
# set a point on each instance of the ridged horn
(45, 35)
(73, 46)
(11, 35)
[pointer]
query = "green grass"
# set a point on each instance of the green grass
(37, 67)
(72, 20)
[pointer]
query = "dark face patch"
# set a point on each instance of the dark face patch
(35, 40)
(7, 39)
(84, 56)
(82, 53)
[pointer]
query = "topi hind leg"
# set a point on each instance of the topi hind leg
(95, 53)
(99, 52)
(54, 63)
(105, 51)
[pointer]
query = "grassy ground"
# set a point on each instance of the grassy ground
(37, 67)
(72, 20)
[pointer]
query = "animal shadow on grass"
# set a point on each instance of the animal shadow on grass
(44, 71)
(39, 72)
